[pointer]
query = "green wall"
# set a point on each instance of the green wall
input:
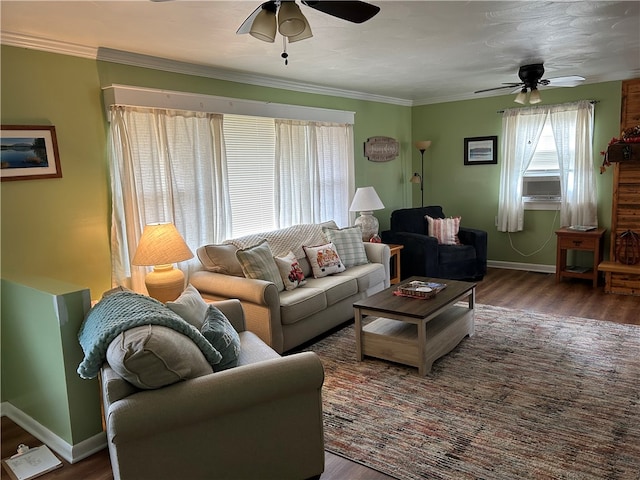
(472, 191)
(40, 355)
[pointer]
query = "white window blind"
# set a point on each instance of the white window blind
(250, 147)
(545, 158)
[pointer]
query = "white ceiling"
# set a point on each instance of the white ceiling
(412, 52)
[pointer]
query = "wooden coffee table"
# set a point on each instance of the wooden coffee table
(414, 331)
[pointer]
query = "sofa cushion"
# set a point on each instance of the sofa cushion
(324, 260)
(153, 356)
(257, 262)
(348, 242)
(335, 287)
(223, 337)
(366, 276)
(290, 271)
(301, 303)
(220, 259)
(444, 229)
(190, 306)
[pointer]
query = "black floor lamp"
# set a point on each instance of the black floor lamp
(422, 146)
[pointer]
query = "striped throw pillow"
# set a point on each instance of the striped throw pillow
(444, 229)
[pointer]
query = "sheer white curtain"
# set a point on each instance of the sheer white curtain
(521, 129)
(572, 126)
(313, 172)
(166, 166)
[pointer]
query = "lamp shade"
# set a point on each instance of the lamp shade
(291, 22)
(306, 33)
(423, 144)
(264, 26)
(161, 244)
(415, 178)
(521, 98)
(365, 200)
(534, 96)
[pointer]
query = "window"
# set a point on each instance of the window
(541, 188)
(250, 143)
(522, 140)
(223, 175)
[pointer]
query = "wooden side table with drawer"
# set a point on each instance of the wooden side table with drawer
(395, 263)
(570, 239)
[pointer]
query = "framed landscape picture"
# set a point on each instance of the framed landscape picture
(29, 152)
(480, 150)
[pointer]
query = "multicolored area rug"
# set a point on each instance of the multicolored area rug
(529, 396)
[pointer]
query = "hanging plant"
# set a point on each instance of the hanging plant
(628, 251)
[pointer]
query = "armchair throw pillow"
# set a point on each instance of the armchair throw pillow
(257, 262)
(324, 260)
(190, 306)
(223, 337)
(348, 242)
(154, 356)
(444, 229)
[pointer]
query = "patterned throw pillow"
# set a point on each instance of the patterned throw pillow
(257, 262)
(223, 337)
(324, 260)
(290, 271)
(444, 229)
(348, 242)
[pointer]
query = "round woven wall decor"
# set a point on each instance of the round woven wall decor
(628, 251)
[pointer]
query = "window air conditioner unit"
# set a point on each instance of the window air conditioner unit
(536, 188)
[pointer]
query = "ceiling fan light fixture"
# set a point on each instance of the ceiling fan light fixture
(521, 98)
(306, 33)
(534, 96)
(264, 26)
(291, 21)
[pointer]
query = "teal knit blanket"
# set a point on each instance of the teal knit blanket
(125, 310)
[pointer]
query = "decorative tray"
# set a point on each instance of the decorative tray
(417, 289)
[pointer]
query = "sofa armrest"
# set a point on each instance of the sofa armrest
(477, 238)
(271, 410)
(379, 253)
(260, 301)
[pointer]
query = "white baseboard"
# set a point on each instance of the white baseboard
(71, 453)
(529, 267)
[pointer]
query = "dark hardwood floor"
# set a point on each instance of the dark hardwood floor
(504, 288)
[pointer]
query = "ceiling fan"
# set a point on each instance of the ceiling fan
(285, 17)
(531, 76)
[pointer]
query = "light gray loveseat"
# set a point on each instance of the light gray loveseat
(259, 420)
(284, 318)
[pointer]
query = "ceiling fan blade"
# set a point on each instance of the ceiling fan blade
(246, 25)
(570, 81)
(511, 85)
(352, 11)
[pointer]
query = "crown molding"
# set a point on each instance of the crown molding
(47, 45)
(157, 63)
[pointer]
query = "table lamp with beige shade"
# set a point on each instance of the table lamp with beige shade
(161, 246)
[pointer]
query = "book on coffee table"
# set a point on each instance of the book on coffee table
(418, 289)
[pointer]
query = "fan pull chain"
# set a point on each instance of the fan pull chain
(284, 54)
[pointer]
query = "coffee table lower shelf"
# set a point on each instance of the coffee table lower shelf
(399, 340)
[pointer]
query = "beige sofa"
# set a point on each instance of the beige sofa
(259, 420)
(284, 318)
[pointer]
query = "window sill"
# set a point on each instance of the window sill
(542, 205)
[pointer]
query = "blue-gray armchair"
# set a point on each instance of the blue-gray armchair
(424, 256)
